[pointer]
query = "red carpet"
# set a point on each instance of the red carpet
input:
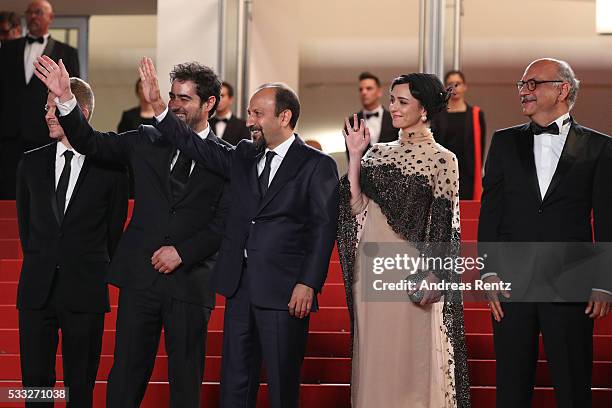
(326, 371)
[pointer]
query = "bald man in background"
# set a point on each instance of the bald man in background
(22, 95)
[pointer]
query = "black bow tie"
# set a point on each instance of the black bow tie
(552, 129)
(370, 114)
(222, 120)
(31, 40)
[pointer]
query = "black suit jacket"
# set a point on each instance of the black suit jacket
(288, 234)
(80, 247)
(513, 211)
(235, 131)
(21, 105)
(193, 224)
(387, 132)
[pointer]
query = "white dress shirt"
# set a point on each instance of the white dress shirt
(203, 135)
(75, 169)
(31, 52)
(281, 152)
(374, 123)
(221, 125)
(547, 150)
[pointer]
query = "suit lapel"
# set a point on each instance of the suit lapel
(50, 181)
(525, 150)
(77, 186)
(289, 166)
(573, 146)
(21, 52)
(251, 170)
(49, 48)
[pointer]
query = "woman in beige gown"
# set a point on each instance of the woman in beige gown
(405, 354)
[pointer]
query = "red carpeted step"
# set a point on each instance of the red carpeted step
(319, 395)
(9, 228)
(469, 210)
(543, 397)
(327, 319)
(320, 344)
(333, 294)
(315, 370)
(482, 373)
(8, 209)
(10, 249)
(311, 395)
(469, 229)
(10, 269)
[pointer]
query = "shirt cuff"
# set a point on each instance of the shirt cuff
(65, 107)
(162, 115)
(603, 290)
(486, 275)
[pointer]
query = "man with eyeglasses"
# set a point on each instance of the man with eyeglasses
(22, 120)
(543, 180)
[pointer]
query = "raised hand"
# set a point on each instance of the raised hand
(150, 86)
(54, 76)
(357, 137)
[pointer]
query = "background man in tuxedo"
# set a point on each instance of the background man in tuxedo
(10, 26)
(165, 259)
(71, 211)
(22, 121)
(277, 242)
(377, 118)
(226, 125)
(542, 179)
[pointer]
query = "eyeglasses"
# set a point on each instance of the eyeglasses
(532, 83)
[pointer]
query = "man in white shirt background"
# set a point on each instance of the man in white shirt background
(22, 120)
(377, 118)
(225, 123)
(543, 180)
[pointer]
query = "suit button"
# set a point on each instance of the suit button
(540, 211)
(172, 211)
(252, 222)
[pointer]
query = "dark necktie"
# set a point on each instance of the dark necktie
(31, 40)
(264, 177)
(179, 176)
(371, 114)
(62, 184)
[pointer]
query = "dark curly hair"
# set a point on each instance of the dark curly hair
(427, 89)
(207, 82)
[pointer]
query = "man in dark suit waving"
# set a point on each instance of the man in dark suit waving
(22, 122)
(277, 243)
(165, 260)
(71, 210)
(542, 181)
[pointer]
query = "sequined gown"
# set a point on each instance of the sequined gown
(404, 355)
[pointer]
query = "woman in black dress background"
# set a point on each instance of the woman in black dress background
(462, 130)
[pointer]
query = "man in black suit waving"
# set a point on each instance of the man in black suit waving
(22, 122)
(277, 243)
(166, 257)
(71, 210)
(542, 181)
(226, 125)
